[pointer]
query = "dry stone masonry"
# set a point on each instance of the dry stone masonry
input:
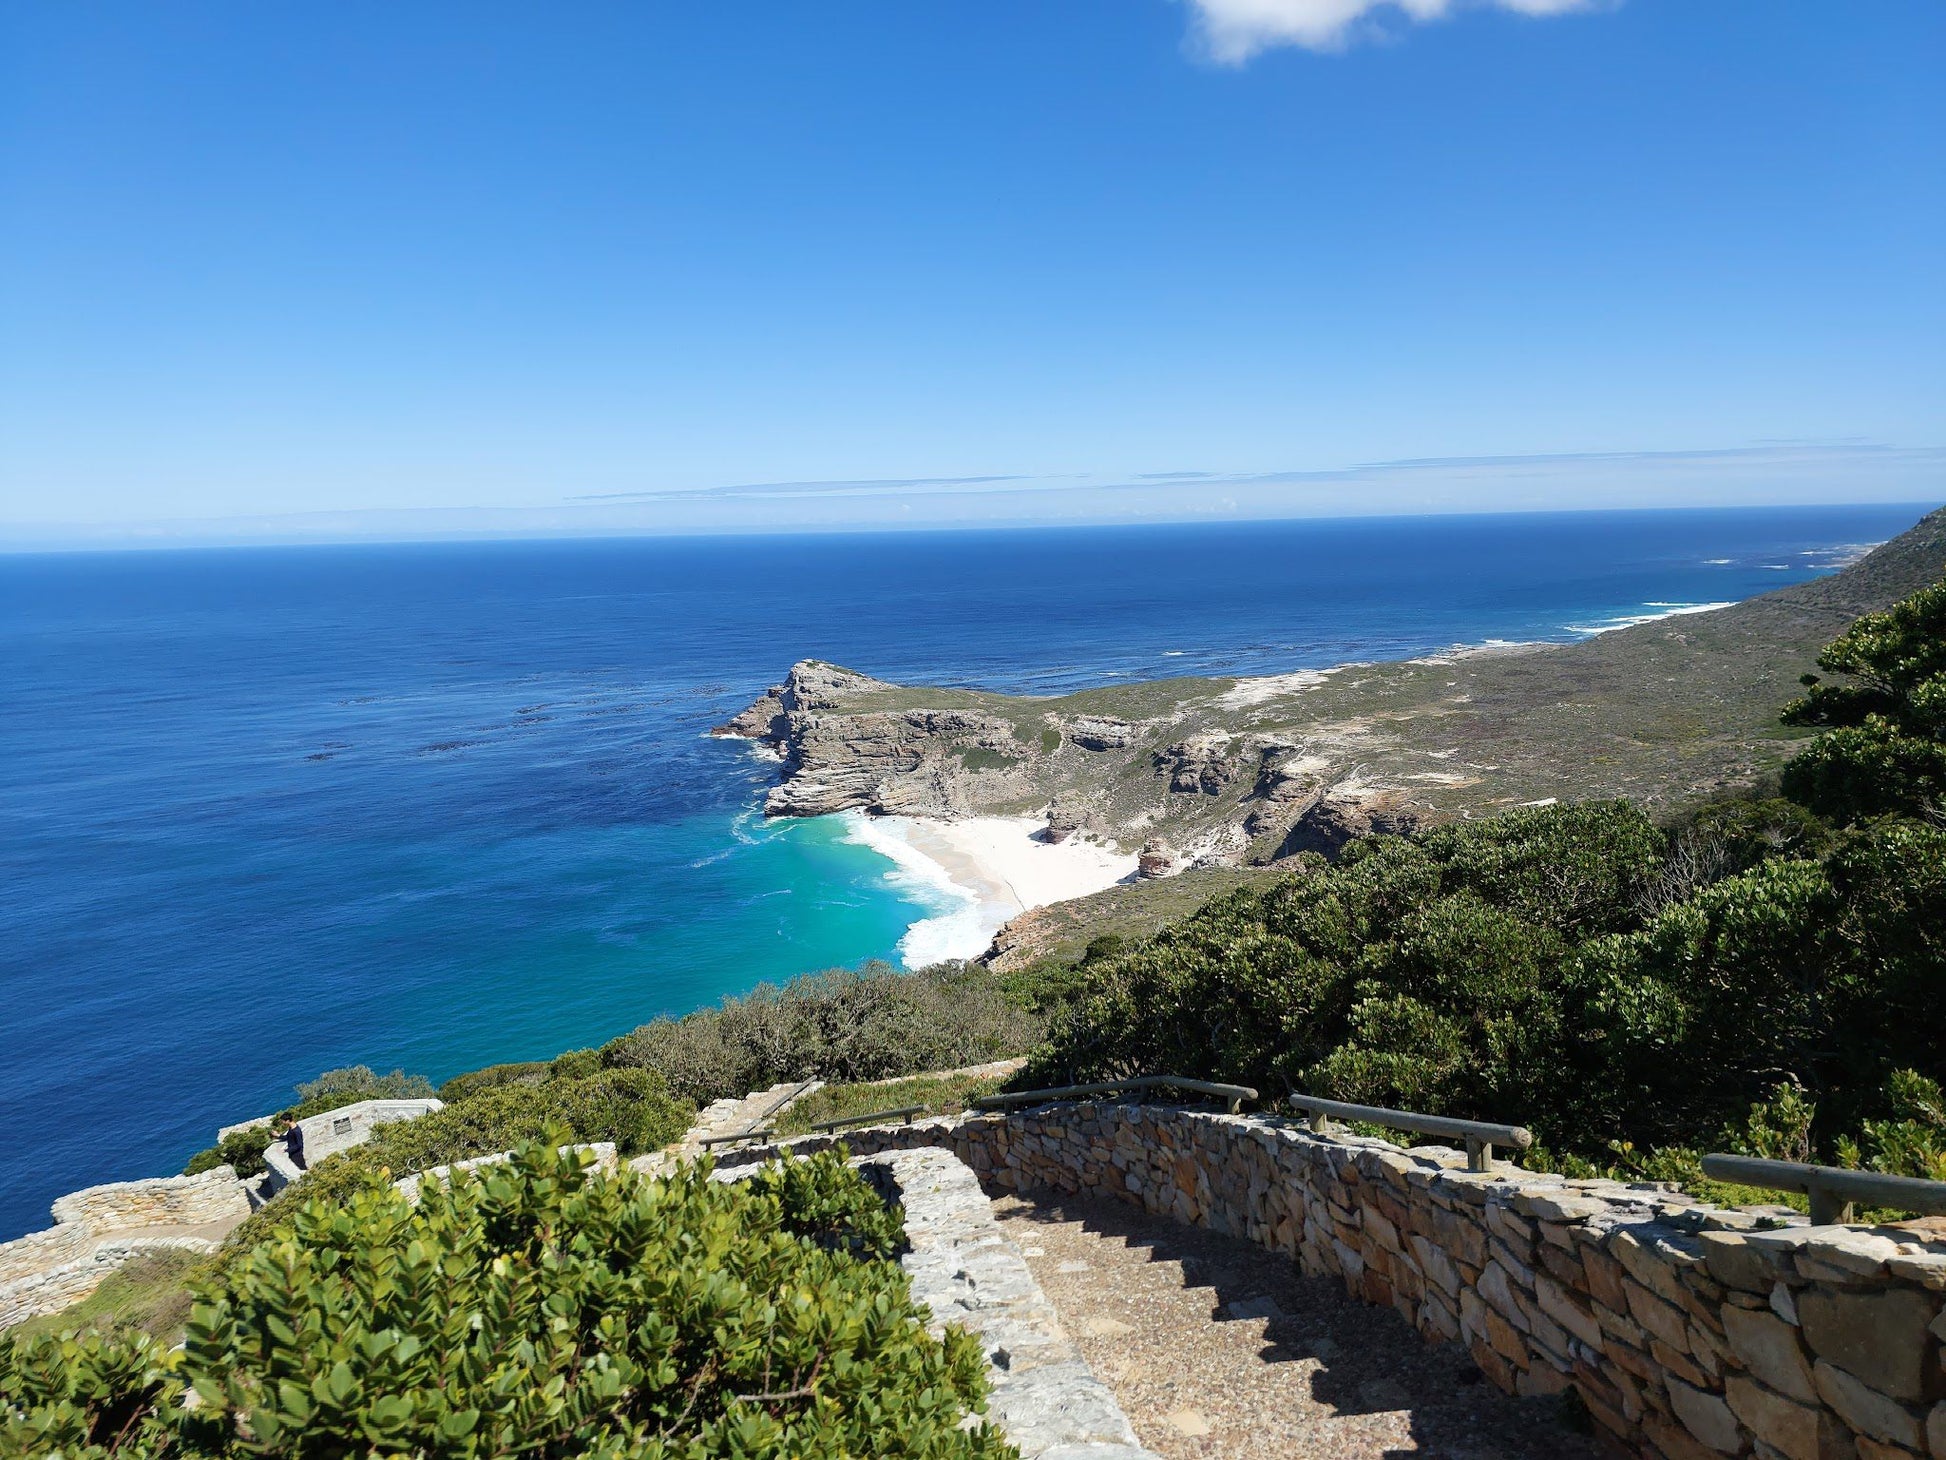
(97, 1230)
(1687, 1330)
(962, 1269)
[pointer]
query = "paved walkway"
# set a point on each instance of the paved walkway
(213, 1232)
(1215, 1347)
(727, 1117)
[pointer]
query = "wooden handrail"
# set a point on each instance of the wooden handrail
(1481, 1136)
(1832, 1189)
(748, 1133)
(1235, 1094)
(757, 1129)
(907, 1111)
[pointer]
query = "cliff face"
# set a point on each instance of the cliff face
(1249, 771)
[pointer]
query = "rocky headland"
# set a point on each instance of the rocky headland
(1245, 773)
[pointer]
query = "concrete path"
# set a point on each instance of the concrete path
(1215, 1347)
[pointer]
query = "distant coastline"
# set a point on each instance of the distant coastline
(437, 807)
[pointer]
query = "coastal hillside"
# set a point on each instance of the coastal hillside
(1245, 772)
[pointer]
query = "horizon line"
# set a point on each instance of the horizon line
(1925, 506)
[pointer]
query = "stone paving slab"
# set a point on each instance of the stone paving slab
(1215, 1347)
(965, 1271)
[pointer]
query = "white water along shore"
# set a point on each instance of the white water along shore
(978, 873)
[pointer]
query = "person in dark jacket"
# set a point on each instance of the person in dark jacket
(294, 1145)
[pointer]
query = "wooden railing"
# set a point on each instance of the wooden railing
(1832, 1189)
(900, 1112)
(759, 1127)
(1480, 1136)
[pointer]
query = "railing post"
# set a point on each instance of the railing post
(1828, 1209)
(1479, 1155)
(1320, 1123)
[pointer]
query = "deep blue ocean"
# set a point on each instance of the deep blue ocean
(268, 811)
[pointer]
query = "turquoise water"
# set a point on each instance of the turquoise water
(263, 812)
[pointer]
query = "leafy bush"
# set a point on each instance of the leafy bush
(1883, 750)
(243, 1151)
(1432, 974)
(1912, 1140)
(473, 1082)
(574, 1065)
(334, 1088)
(824, 1201)
(841, 1026)
(535, 1310)
(632, 1108)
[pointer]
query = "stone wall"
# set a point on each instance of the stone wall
(40, 1252)
(50, 1289)
(1688, 1331)
(962, 1269)
(335, 1131)
(98, 1229)
(163, 1201)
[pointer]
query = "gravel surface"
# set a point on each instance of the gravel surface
(1215, 1347)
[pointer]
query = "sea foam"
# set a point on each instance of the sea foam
(958, 923)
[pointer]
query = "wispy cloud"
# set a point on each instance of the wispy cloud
(864, 486)
(1232, 31)
(1772, 473)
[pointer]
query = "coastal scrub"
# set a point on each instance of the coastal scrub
(535, 1309)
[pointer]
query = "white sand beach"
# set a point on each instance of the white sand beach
(978, 873)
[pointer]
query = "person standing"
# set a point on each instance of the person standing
(294, 1145)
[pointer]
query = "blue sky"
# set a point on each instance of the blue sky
(404, 270)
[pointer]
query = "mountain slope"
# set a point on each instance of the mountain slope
(1230, 771)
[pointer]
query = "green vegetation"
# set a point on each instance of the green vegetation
(1883, 750)
(631, 1108)
(535, 1310)
(979, 758)
(839, 1026)
(1754, 975)
(939, 1094)
(244, 1150)
(575, 1063)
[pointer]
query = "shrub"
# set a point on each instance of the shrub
(575, 1064)
(872, 1024)
(243, 1151)
(540, 1311)
(1883, 746)
(632, 1108)
(1440, 973)
(334, 1088)
(473, 1082)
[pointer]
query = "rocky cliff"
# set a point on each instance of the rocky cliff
(1226, 772)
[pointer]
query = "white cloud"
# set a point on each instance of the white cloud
(1233, 31)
